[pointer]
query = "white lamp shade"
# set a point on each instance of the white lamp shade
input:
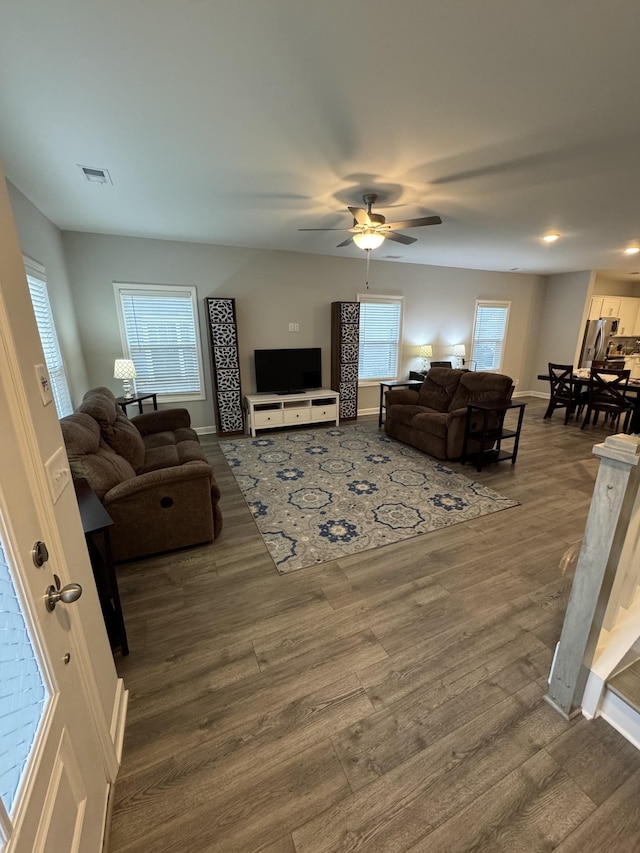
(368, 240)
(426, 351)
(459, 350)
(124, 368)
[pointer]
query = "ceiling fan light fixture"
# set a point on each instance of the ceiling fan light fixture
(368, 240)
(632, 250)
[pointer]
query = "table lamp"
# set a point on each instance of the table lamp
(125, 369)
(460, 352)
(426, 351)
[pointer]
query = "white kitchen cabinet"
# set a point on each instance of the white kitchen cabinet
(610, 306)
(595, 311)
(628, 316)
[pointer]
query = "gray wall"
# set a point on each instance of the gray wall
(42, 241)
(273, 289)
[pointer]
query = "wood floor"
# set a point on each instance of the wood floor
(390, 701)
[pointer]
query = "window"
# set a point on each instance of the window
(380, 334)
(489, 333)
(36, 279)
(159, 334)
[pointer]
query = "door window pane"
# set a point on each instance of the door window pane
(23, 694)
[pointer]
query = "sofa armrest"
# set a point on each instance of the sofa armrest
(167, 420)
(160, 479)
(401, 396)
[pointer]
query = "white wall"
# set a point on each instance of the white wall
(42, 241)
(273, 289)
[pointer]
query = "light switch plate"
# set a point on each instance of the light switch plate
(58, 473)
(44, 384)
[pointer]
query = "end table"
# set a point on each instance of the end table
(491, 432)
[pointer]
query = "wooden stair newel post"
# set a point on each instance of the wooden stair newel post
(345, 345)
(225, 362)
(613, 497)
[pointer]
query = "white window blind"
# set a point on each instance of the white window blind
(489, 333)
(49, 340)
(160, 335)
(380, 331)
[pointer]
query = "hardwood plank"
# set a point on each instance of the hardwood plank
(390, 700)
(529, 811)
(613, 826)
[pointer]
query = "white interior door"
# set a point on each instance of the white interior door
(54, 786)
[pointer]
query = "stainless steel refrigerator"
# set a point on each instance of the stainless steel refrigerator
(597, 336)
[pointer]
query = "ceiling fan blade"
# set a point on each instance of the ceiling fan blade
(400, 238)
(323, 229)
(361, 216)
(345, 242)
(415, 223)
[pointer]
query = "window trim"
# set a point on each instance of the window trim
(386, 299)
(491, 303)
(59, 381)
(126, 287)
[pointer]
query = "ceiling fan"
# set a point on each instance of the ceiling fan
(370, 229)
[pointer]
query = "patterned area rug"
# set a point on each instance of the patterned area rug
(320, 494)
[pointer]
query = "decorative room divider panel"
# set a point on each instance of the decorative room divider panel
(345, 340)
(225, 361)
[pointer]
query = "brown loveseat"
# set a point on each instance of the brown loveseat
(433, 418)
(150, 473)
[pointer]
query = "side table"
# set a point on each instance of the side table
(395, 383)
(123, 402)
(96, 520)
(490, 432)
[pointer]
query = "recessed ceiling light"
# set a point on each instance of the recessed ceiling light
(632, 250)
(550, 238)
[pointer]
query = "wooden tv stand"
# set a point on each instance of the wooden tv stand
(269, 411)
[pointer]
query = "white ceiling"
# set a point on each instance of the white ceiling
(239, 121)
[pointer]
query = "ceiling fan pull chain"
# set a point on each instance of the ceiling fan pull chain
(368, 251)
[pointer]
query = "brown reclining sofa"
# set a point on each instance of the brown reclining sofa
(433, 418)
(150, 473)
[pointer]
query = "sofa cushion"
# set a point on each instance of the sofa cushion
(439, 387)
(123, 438)
(90, 457)
(481, 387)
(115, 427)
(100, 404)
(167, 449)
(433, 423)
(405, 414)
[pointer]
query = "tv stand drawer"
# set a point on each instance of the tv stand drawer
(268, 417)
(324, 413)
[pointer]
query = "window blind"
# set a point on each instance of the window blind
(489, 332)
(380, 326)
(161, 339)
(50, 346)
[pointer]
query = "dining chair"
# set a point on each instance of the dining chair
(607, 389)
(564, 392)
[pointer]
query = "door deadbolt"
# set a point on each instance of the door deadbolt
(69, 593)
(39, 554)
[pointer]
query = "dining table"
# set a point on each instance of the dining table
(632, 392)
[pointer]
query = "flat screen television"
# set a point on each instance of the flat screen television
(287, 371)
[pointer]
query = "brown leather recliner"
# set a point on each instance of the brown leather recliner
(433, 419)
(150, 473)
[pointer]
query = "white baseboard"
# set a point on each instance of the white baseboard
(205, 430)
(622, 717)
(119, 717)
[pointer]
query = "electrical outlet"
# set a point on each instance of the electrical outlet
(296, 327)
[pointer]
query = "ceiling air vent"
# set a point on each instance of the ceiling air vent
(96, 176)
(392, 257)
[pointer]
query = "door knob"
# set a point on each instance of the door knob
(69, 593)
